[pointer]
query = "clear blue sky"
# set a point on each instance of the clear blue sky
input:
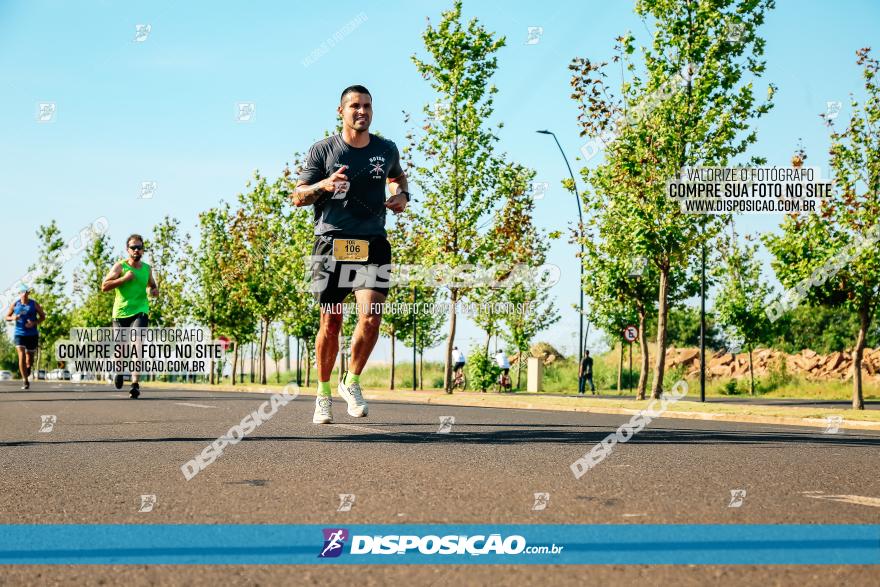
(163, 109)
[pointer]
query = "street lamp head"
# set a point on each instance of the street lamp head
(544, 132)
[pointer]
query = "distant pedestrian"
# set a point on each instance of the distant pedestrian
(585, 373)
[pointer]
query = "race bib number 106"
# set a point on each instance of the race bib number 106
(350, 249)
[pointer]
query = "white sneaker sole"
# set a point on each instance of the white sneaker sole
(353, 410)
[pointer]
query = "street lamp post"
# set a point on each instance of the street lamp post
(581, 341)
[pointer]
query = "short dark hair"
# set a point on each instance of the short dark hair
(356, 89)
(586, 352)
(135, 237)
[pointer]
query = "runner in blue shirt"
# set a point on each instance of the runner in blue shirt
(27, 314)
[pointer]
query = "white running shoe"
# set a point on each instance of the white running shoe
(323, 410)
(357, 405)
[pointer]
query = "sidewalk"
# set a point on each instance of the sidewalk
(723, 410)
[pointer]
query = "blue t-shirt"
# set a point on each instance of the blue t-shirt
(23, 313)
(359, 208)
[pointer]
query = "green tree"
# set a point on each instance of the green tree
(514, 239)
(265, 265)
(684, 327)
(689, 103)
(742, 298)
(622, 290)
(277, 349)
(170, 264)
(397, 325)
(8, 354)
(831, 258)
(822, 328)
(213, 271)
(302, 318)
(458, 176)
(49, 290)
(94, 308)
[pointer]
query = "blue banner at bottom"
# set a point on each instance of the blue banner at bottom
(275, 544)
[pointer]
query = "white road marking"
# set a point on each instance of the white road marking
(633, 515)
(853, 499)
(193, 405)
(361, 428)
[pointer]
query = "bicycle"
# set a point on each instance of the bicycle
(460, 380)
(503, 382)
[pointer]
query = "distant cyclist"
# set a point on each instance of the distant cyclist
(27, 314)
(458, 360)
(131, 278)
(503, 364)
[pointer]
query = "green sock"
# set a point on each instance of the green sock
(350, 378)
(324, 389)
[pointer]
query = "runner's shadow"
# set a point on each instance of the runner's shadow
(512, 437)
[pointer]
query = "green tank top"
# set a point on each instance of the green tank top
(131, 296)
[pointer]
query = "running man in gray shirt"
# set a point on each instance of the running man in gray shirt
(345, 178)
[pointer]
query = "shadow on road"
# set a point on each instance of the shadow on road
(525, 434)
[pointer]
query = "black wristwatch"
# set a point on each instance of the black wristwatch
(405, 193)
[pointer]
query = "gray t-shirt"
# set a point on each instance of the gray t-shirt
(359, 210)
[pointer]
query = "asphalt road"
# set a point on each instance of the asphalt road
(105, 451)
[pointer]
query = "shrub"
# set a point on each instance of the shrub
(730, 388)
(779, 376)
(482, 370)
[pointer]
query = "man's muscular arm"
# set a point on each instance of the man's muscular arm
(306, 195)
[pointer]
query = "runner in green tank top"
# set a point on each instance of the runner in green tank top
(131, 278)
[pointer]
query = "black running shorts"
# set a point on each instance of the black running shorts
(28, 341)
(333, 280)
(135, 321)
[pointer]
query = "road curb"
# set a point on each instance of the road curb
(469, 399)
(460, 400)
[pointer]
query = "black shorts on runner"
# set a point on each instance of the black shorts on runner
(28, 341)
(135, 321)
(373, 274)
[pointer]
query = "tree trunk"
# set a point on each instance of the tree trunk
(751, 374)
(858, 400)
(643, 348)
(391, 382)
(447, 371)
(211, 362)
(422, 369)
(620, 370)
(264, 338)
(518, 369)
(253, 365)
(662, 311)
(234, 362)
(308, 364)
